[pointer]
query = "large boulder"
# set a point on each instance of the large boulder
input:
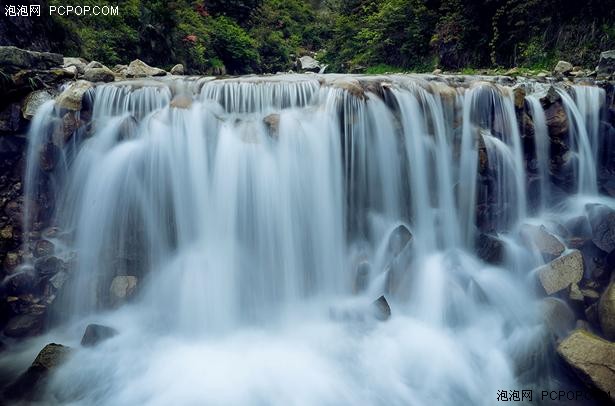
(33, 101)
(602, 222)
(545, 242)
(177, 69)
(555, 115)
(30, 384)
(72, 97)
(398, 239)
(78, 63)
(13, 59)
(592, 359)
(606, 312)
(309, 64)
(102, 74)
(563, 67)
(122, 288)
(560, 273)
(139, 69)
(490, 248)
(606, 65)
(96, 333)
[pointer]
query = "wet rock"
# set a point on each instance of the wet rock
(49, 156)
(272, 123)
(559, 318)
(361, 281)
(592, 359)
(437, 72)
(490, 249)
(121, 69)
(48, 266)
(72, 97)
(579, 227)
(13, 59)
(602, 222)
(10, 118)
(181, 102)
(538, 236)
(177, 69)
(30, 384)
(555, 114)
(381, 309)
(96, 333)
(102, 74)
(24, 325)
(122, 288)
(307, 63)
(563, 68)
(58, 280)
(11, 261)
(33, 101)
(606, 64)
(399, 238)
(78, 63)
(139, 69)
(20, 282)
(561, 272)
(606, 312)
(350, 85)
(519, 93)
(43, 248)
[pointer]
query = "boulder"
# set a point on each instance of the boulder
(545, 242)
(139, 69)
(350, 85)
(13, 59)
(563, 68)
(490, 249)
(381, 309)
(592, 359)
(30, 384)
(398, 239)
(561, 272)
(181, 102)
(307, 63)
(94, 65)
(559, 318)
(49, 266)
(102, 74)
(43, 248)
(272, 123)
(121, 69)
(602, 223)
(33, 101)
(437, 72)
(606, 312)
(95, 334)
(606, 64)
(122, 288)
(78, 63)
(555, 115)
(177, 69)
(72, 97)
(24, 325)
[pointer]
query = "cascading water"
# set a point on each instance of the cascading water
(242, 207)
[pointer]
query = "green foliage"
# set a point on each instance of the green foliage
(234, 46)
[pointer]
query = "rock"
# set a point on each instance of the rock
(563, 67)
(272, 122)
(43, 248)
(71, 70)
(10, 118)
(48, 266)
(512, 72)
(103, 74)
(559, 318)
(177, 69)
(606, 312)
(602, 222)
(519, 93)
(437, 72)
(538, 236)
(606, 64)
(77, 63)
(307, 63)
(13, 59)
(398, 239)
(24, 325)
(122, 287)
(381, 309)
(72, 97)
(361, 280)
(592, 359)
(94, 65)
(181, 102)
(33, 101)
(139, 69)
(561, 272)
(20, 282)
(490, 249)
(49, 155)
(350, 85)
(58, 280)
(96, 333)
(30, 384)
(121, 69)
(555, 115)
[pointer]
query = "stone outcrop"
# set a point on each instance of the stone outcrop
(563, 67)
(606, 64)
(13, 59)
(139, 69)
(560, 273)
(177, 69)
(72, 97)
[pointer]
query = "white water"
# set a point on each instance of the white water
(245, 244)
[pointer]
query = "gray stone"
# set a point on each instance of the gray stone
(559, 318)
(592, 359)
(102, 74)
(177, 69)
(72, 97)
(33, 101)
(561, 272)
(606, 312)
(563, 67)
(139, 69)
(272, 123)
(307, 63)
(381, 309)
(606, 64)
(13, 59)
(122, 287)
(96, 333)
(77, 63)
(602, 222)
(94, 65)
(24, 325)
(545, 242)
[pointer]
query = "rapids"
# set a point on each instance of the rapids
(243, 206)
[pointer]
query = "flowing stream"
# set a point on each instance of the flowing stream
(244, 207)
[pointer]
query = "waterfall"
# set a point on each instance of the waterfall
(244, 207)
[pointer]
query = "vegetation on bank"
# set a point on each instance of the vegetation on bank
(260, 36)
